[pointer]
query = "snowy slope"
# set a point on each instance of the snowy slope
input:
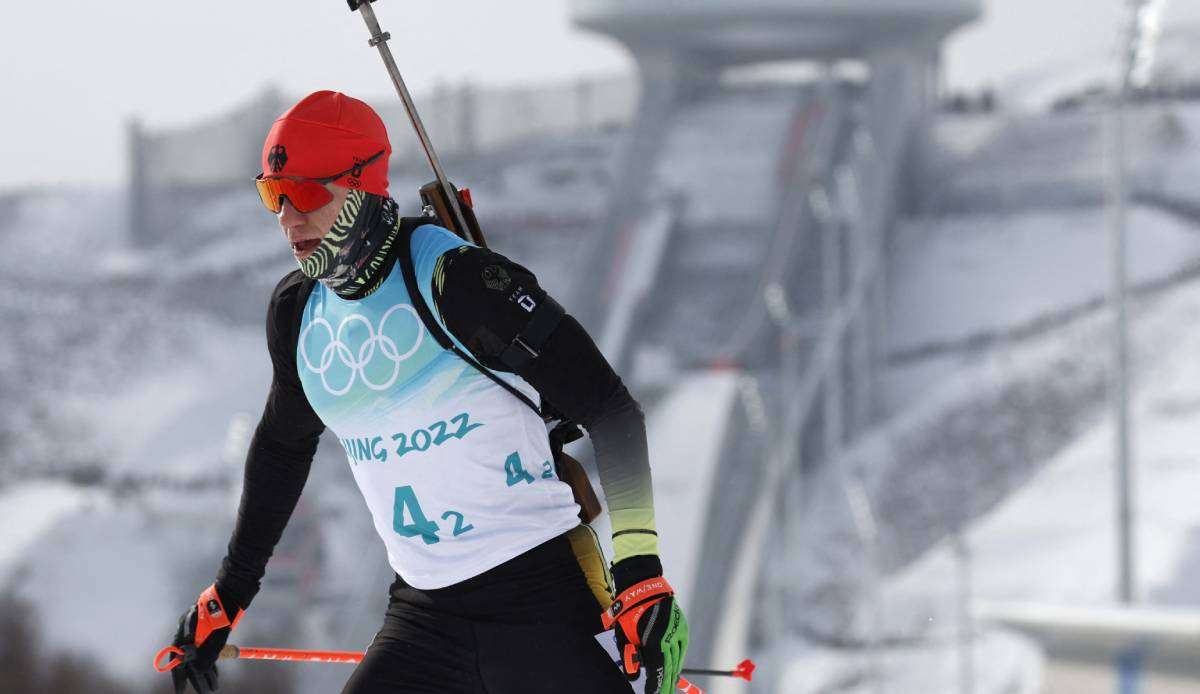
(996, 381)
(27, 512)
(1172, 171)
(1002, 661)
(117, 566)
(1016, 239)
(686, 431)
(1061, 524)
(1175, 57)
(967, 275)
(162, 424)
(1014, 444)
(124, 381)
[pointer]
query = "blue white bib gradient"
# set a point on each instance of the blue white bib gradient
(456, 471)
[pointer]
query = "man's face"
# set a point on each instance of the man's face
(304, 231)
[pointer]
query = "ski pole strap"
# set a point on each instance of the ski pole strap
(631, 604)
(180, 657)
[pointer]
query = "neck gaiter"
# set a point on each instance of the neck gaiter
(354, 257)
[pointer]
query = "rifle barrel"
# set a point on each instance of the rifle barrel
(379, 40)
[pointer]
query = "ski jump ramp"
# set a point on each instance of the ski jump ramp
(686, 434)
(717, 476)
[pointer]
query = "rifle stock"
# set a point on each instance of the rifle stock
(433, 196)
(571, 471)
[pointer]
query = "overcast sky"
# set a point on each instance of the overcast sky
(72, 72)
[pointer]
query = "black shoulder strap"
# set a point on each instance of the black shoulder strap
(528, 345)
(407, 226)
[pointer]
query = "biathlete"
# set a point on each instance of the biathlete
(437, 398)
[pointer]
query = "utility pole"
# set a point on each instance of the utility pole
(1136, 54)
(1119, 374)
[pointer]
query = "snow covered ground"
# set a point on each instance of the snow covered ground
(963, 283)
(1050, 541)
(1061, 524)
(127, 394)
(1015, 239)
(686, 431)
(27, 512)
(963, 276)
(998, 347)
(1013, 444)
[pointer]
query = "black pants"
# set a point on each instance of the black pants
(526, 626)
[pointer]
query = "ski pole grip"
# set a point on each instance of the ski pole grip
(354, 4)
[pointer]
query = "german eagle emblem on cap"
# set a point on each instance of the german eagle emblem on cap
(277, 158)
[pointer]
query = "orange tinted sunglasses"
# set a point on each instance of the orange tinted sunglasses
(305, 194)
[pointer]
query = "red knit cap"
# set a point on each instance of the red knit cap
(325, 133)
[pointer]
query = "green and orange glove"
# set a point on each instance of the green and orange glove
(651, 630)
(202, 633)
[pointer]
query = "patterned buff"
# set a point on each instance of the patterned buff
(351, 258)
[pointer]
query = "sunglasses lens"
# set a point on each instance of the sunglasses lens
(305, 196)
(269, 193)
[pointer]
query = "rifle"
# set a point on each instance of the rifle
(440, 198)
(454, 210)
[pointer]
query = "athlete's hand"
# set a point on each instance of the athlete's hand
(202, 633)
(651, 630)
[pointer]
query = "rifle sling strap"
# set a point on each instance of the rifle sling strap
(407, 226)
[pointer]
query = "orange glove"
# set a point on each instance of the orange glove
(202, 633)
(651, 630)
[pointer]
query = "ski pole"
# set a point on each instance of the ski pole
(379, 39)
(744, 670)
(230, 652)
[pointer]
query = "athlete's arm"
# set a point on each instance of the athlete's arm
(280, 455)
(496, 308)
(478, 294)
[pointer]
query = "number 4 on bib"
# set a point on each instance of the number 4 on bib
(420, 526)
(515, 471)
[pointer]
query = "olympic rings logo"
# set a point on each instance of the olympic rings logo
(357, 361)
